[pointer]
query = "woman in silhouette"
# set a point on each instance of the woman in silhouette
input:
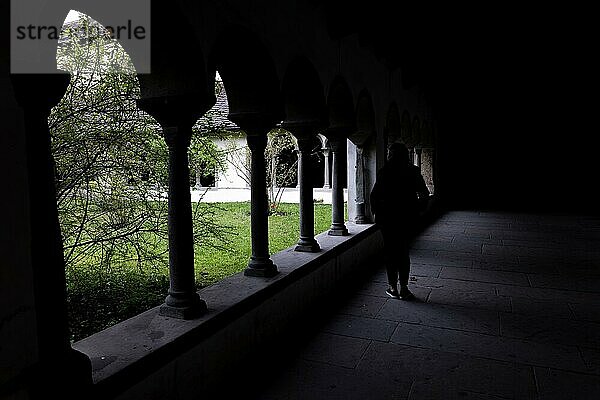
(397, 198)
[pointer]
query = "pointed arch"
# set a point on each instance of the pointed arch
(365, 119)
(426, 135)
(340, 104)
(178, 69)
(406, 128)
(416, 131)
(393, 125)
(248, 72)
(303, 93)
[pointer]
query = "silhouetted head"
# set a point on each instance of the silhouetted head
(398, 152)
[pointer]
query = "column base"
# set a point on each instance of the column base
(361, 219)
(308, 246)
(338, 231)
(261, 267)
(194, 308)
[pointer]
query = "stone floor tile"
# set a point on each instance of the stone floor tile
(553, 261)
(470, 298)
(586, 311)
(506, 260)
(565, 296)
(565, 282)
(363, 306)
(488, 346)
(541, 308)
(440, 369)
(591, 358)
(425, 270)
(530, 241)
(478, 275)
(361, 327)
(453, 284)
(447, 390)
(513, 267)
(307, 380)
(467, 319)
(441, 257)
(476, 233)
(422, 243)
(493, 378)
(561, 385)
(544, 329)
(333, 349)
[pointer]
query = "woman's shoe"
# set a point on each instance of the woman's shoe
(406, 294)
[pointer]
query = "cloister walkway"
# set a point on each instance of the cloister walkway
(508, 308)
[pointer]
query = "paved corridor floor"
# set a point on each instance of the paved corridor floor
(508, 308)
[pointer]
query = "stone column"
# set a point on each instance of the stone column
(304, 134)
(361, 217)
(327, 181)
(338, 227)
(411, 155)
(183, 300)
(260, 263)
(418, 157)
(36, 95)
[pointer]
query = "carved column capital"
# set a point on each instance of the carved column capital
(257, 142)
(177, 136)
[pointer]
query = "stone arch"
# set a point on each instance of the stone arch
(254, 87)
(393, 126)
(303, 94)
(340, 104)
(178, 69)
(426, 135)
(304, 103)
(342, 122)
(406, 129)
(416, 131)
(83, 110)
(365, 119)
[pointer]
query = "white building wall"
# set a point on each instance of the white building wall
(237, 168)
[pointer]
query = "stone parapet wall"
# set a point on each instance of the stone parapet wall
(152, 357)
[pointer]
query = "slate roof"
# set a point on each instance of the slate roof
(217, 115)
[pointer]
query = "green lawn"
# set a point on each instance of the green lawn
(99, 298)
(214, 264)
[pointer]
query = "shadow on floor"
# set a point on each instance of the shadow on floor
(508, 309)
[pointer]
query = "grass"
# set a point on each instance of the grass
(98, 299)
(214, 264)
